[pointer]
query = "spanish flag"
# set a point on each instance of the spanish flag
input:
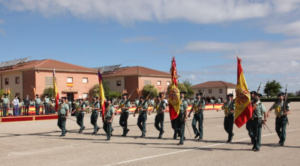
(101, 94)
(8, 91)
(243, 106)
(174, 93)
(56, 94)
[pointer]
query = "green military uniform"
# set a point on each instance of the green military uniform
(137, 102)
(94, 116)
(160, 116)
(198, 117)
(80, 117)
(255, 124)
(61, 123)
(5, 106)
(106, 125)
(229, 118)
(180, 123)
(37, 105)
(47, 105)
(281, 120)
(141, 122)
(124, 116)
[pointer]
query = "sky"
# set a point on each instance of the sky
(205, 36)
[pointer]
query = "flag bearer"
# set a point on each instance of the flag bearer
(256, 121)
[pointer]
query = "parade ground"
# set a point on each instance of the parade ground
(37, 143)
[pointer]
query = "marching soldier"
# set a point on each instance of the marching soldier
(160, 116)
(142, 109)
(198, 107)
(282, 109)
(124, 105)
(94, 116)
(248, 123)
(80, 115)
(229, 108)
(37, 104)
(63, 112)
(108, 119)
(5, 104)
(256, 121)
(47, 104)
(182, 117)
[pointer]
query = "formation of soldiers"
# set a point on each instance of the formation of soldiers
(254, 125)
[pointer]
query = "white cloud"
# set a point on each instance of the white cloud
(138, 39)
(289, 29)
(198, 11)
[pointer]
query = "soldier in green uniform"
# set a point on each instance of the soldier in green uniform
(80, 115)
(248, 123)
(63, 112)
(256, 121)
(198, 107)
(219, 100)
(108, 119)
(37, 105)
(142, 109)
(160, 108)
(182, 117)
(229, 108)
(94, 116)
(5, 105)
(282, 109)
(47, 104)
(124, 105)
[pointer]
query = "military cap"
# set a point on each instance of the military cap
(230, 95)
(37, 95)
(258, 94)
(96, 98)
(281, 94)
(183, 92)
(4, 94)
(124, 94)
(142, 97)
(253, 92)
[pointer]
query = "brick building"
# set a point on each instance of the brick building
(130, 78)
(72, 81)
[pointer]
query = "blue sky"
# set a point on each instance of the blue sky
(203, 36)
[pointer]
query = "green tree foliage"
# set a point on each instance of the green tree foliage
(49, 91)
(95, 90)
(189, 89)
(2, 91)
(297, 93)
(114, 94)
(272, 88)
(150, 88)
(291, 94)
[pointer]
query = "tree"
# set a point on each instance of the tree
(2, 91)
(95, 90)
(114, 94)
(298, 93)
(150, 88)
(48, 91)
(189, 89)
(272, 88)
(291, 94)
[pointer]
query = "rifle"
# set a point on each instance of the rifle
(258, 88)
(140, 106)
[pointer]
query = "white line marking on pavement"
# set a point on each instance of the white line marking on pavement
(182, 151)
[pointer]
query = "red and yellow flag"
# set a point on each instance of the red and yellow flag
(101, 94)
(243, 106)
(56, 94)
(174, 93)
(8, 91)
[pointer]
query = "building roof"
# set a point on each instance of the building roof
(49, 64)
(137, 71)
(215, 84)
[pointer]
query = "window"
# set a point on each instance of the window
(6, 81)
(168, 83)
(70, 80)
(85, 95)
(119, 83)
(210, 91)
(147, 82)
(17, 80)
(48, 82)
(159, 83)
(220, 90)
(85, 80)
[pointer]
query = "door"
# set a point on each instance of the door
(70, 97)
